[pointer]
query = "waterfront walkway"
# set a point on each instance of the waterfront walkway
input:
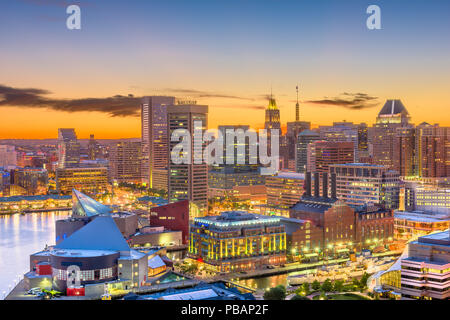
(294, 267)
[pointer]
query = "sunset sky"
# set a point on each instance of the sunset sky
(226, 54)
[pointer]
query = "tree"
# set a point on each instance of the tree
(316, 285)
(355, 283)
(277, 293)
(305, 288)
(338, 286)
(363, 281)
(327, 286)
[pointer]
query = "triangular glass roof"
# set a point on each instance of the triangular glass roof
(86, 206)
(392, 107)
(101, 233)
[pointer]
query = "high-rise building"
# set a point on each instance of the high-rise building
(404, 151)
(68, 149)
(125, 160)
(8, 156)
(363, 146)
(188, 181)
(154, 140)
(301, 155)
(322, 154)
(293, 130)
(361, 184)
(432, 151)
(92, 148)
(272, 122)
(393, 115)
(341, 132)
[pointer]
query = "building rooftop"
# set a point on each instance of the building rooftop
(308, 133)
(291, 175)
(100, 234)
(291, 225)
(33, 198)
(155, 200)
(86, 206)
(421, 216)
(236, 219)
(314, 204)
(440, 238)
(156, 262)
(81, 253)
(392, 107)
(203, 291)
(357, 165)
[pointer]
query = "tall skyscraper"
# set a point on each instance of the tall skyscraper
(272, 115)
(154, 140)
(188, 181)
(125, 161)
(432, 151)
(92, 148)
(293, 130)
(404, 151)
(341, 132)
(301, 156)
(272, 122)
(322, 154)
(68, 149)
(393, 115)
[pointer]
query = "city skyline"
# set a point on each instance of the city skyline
(344, 70)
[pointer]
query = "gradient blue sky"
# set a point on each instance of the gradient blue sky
(238, 48)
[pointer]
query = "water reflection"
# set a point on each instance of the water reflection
(20, 236)
(265, 282)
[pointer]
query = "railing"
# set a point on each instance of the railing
(11, 287)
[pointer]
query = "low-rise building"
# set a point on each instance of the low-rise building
(237, 241)
(425, 273)
(92, 257)
(84, 179)
(412, 224)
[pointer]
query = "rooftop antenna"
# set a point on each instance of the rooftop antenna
(297, 107)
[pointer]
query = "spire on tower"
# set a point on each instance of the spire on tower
(297, 107)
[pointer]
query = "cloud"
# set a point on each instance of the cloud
(354, 101)
(115, 106)
(205, 94)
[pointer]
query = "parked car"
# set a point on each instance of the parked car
(34, 291)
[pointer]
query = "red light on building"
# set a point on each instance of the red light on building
(79, 291)
(43, 268)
